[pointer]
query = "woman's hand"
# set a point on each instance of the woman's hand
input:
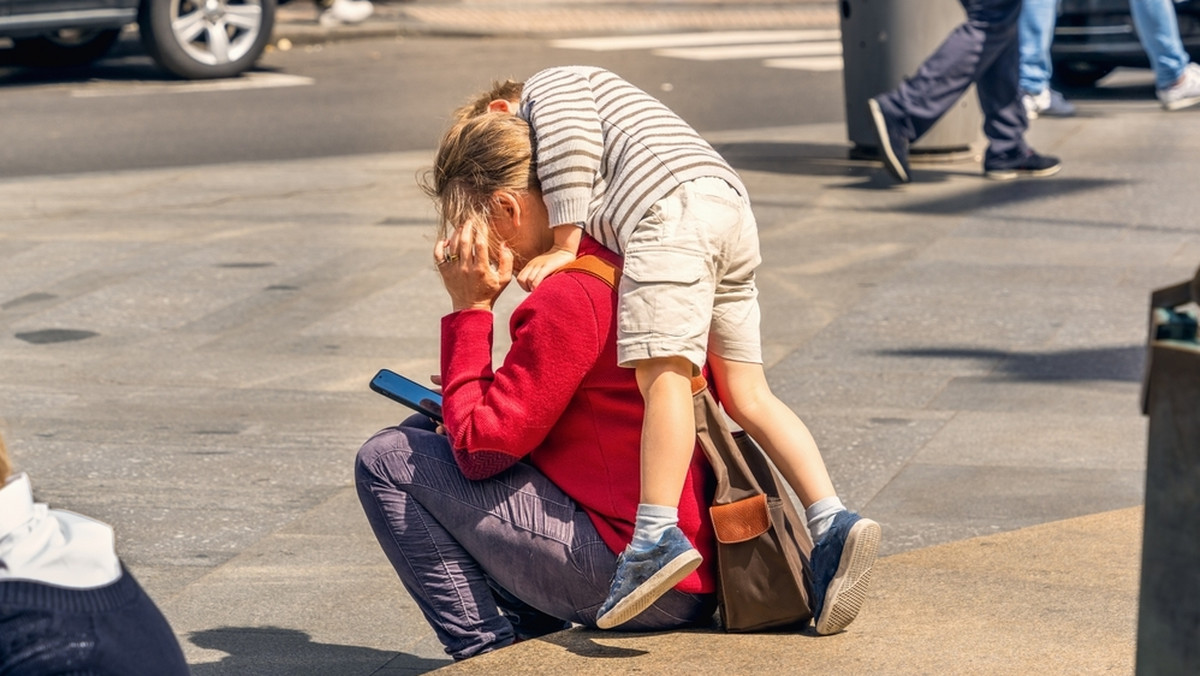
(470, 276)
(436, 379)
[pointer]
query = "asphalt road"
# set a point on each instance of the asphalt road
(347, 98)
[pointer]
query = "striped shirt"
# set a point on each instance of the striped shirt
(606, 151)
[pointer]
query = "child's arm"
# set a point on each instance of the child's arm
(565, 249)
(561, 109)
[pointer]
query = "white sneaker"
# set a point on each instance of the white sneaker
(346, 11)
(1035, 103)
(1049, 103)
(1184, 93)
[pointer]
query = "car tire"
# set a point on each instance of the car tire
(1080, 73)
(203, 39)
(63, 48)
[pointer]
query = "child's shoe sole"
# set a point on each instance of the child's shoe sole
(848, 589)
(654, 587)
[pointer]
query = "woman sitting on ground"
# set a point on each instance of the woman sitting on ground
(508, 525)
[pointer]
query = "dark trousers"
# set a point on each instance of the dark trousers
(114, 629)
(985, 52)
(491, 561)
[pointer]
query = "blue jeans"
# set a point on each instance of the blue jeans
(1158, 31)
(1036, 31)
(491, 561)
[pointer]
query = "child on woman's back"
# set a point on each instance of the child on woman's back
(616, 162)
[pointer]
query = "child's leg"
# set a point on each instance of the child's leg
(659, 556)
(668, 428)
(743, 391)
(845, 544)
(671, 266)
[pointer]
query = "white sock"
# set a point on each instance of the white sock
(652, 522)
(820, 516)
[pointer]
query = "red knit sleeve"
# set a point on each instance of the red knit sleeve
(494, 418)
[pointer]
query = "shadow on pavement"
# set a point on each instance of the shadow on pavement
(124, 70)
(832, 159)
(1124, 364)
(801, 159)
(128, 62)
(582, 642)
(1113, 92)
(266, 651)
(997, 193)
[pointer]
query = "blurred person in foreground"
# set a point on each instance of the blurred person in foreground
(67, 605)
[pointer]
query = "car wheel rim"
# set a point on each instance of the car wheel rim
(216, 32)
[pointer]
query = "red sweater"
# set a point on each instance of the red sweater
(560, 399)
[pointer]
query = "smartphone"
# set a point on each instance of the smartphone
(412, 394)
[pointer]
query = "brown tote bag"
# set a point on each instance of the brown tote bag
(762, 541)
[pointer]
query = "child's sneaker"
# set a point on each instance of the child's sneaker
(642, 577)
(841, 566)
(1184, 93)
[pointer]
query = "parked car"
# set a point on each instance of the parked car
(1092, 37)
(194, 39)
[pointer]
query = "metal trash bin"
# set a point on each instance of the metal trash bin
(1169, 598)
(885, 41)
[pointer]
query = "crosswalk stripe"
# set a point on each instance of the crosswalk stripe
(618, 42)
(250, 80)
(758, 51)
(816, 63)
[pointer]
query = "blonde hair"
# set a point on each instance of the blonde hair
(5, 463)
(508, 90)
(479, 156)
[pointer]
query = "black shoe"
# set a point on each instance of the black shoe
(893, 147)
(1029, 165)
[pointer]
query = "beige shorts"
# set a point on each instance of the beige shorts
(688, 284)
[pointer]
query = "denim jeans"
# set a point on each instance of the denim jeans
(983, 51)
(1036, 31)
(494, 560)
(1158, 31)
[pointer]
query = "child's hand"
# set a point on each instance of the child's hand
(540, 267)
